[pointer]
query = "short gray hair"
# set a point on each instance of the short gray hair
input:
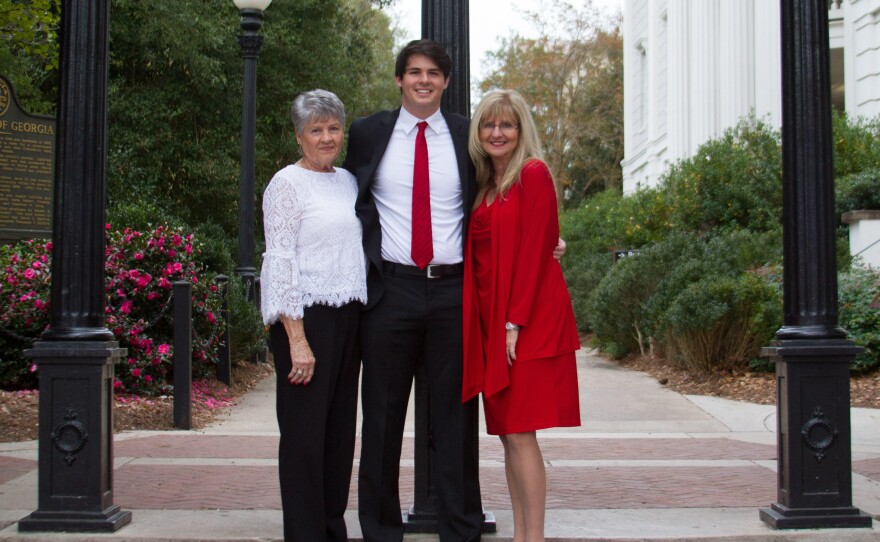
(314, 105)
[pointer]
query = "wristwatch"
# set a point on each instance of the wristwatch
(510, 326)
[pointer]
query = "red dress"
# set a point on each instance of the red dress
(511, 276)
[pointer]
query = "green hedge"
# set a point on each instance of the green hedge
(705, 290)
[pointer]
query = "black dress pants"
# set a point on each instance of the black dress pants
(317, 424)
(417, 323)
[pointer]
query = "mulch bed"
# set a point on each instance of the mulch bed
(19, 409)
(740, 385)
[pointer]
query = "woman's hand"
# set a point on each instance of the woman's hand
(559, 250)
(303, 366)
(512, 336)
(302, 360)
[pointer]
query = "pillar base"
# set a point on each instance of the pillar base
(779, 516)
(108, 521)
(426, 522)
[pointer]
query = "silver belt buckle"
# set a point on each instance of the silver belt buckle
(430, 274)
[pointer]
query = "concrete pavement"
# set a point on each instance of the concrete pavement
(647, 464)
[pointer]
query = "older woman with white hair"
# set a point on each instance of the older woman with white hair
(313, 287)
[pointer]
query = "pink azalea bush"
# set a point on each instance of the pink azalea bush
(24, 307)
(140, 269)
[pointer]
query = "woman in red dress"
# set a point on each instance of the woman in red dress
(519, 328)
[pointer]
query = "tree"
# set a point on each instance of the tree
(572, 75)
(29, 50)
(176, 91)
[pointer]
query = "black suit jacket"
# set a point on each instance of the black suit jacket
(367, 140)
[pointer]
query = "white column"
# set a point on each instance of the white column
(629, 75)
(862, 57)
(704, 81)
(736, 54)
(678, 90)
(768, 62)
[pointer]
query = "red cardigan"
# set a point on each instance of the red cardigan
(528, 288)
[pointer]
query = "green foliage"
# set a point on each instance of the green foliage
(732, 182)
(217, 248)
(720, 321)
(706, 230)
(859, 306)
(140, 214)
(609, 221)
(706, 289)
(246, 330)
(858, 191)
(29, 51)
(582, 275)
(719, 255)
(856, 144)
(615, 308)
(176, 89)
(697, 298)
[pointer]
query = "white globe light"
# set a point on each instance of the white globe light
(252, 4)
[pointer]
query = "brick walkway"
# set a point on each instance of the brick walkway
(236, 472)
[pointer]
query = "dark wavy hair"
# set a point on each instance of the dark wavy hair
(430, 49)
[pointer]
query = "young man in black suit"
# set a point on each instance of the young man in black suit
(413, 316)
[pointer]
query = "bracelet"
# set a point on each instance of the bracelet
(510, 326)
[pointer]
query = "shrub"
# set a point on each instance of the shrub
(582, 275)
(217, 253)
(856, 144)
(246, 329)
(721, 255)
(720, 321)
(142, 214)
(24, 307)
(139, 271)
(858, 191)
(859, 313)
(732, 182)
(141, 268)
(616, 307)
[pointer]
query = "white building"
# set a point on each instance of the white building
(693, 68)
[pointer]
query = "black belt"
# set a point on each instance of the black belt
(430, 272)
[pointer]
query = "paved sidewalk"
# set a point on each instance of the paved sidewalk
(647, 464)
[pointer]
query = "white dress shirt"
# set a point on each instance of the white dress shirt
(392, 191)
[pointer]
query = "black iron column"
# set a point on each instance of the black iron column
(811, 352)
(250, 42)
(76, 354)
(447, 23)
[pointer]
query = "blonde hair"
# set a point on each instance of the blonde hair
(503, 105)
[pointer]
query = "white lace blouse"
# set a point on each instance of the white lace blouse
(314, 254)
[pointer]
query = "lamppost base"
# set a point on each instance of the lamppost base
(425, 521)
(108, 521)
(779, 516)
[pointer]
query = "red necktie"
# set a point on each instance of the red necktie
(422, 250)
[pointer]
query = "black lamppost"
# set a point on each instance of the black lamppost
(250, 40)
(77, 353)
(447, 23)
(811, 351)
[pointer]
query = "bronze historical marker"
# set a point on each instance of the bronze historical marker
(27, 161)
